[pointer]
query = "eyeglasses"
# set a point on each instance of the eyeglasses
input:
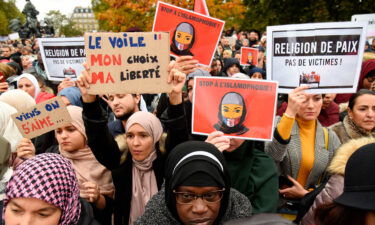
(189, 198)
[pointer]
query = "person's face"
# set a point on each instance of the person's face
(238, 56)
(69, 138)
(257, 75)
(328, 98)
(123, 104)
(367, 82)
(225, 42)
(227, 54)
(363, 112)
(234, 143)
(218, 64)
(139, 141)
(26, 62)
(220, 49)
(198, 211)
(183, 37)
(233, 70)
(5, 52)
(31, 211)
(190, 89)
(253, 36)
(26, 85)
(311, 107)
(245, 42)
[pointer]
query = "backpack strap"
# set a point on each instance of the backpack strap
(326, 140)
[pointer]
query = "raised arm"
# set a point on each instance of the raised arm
(99, 139)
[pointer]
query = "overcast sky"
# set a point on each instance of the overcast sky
(44, 6)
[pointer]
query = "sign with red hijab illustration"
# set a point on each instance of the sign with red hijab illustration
(249, 56)
(191, 33)
(239, 108)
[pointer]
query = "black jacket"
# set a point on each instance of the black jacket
(107, 152)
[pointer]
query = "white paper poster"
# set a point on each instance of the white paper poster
(62, 57)
(325, 56)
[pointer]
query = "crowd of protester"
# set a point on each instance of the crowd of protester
(132, 159)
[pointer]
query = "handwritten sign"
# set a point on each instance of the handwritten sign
(134, 63)
(325, 56)
(42, 118)
(62, 57)
(249, 56)
(191, 33)
(234, 106)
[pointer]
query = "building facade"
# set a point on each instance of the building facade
(84, 19)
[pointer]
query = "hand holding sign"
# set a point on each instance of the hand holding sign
(295, 100)
(218, 139)
(186, 64)
(25, 149)
(83, 83)
(67, 82)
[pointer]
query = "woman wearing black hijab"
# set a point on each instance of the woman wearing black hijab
(197, 189)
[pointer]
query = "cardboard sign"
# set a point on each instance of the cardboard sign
(42, 118)
(325, 56)
(249, 56)
(191, 33)
(62, 57)
(133, 63)
(370, 20)
(239, 108)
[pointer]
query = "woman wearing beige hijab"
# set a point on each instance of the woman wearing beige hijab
(141, 175)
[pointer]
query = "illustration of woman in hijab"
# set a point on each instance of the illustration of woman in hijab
(232, 114)
(183, 39)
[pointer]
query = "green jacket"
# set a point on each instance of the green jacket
(254, 174)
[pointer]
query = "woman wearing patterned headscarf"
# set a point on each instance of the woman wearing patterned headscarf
(44, 190)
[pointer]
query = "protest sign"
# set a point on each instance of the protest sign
(62, 57)
(370, 20)
(325, 56)
(14, 36)
(239, 108)
(130, 63)
(191, 33)
(42, 118)
(249, 56)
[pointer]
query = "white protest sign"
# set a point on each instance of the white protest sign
(62, 57)
(132, 63)
(325, 56)
(14, 36)
(370, 19)
(42, 118)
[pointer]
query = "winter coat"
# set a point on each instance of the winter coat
(287, 153)
(347, 130)
(335, 184)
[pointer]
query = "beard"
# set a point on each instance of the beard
(125, 116)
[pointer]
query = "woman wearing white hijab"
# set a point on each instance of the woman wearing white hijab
(29, 84)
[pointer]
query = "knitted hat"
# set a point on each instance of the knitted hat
(50, 178)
